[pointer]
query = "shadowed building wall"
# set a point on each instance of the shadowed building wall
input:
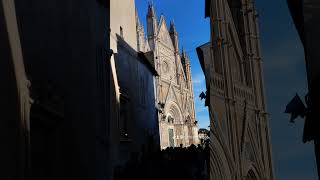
(60, 74)
(134, 116)
(232, 63)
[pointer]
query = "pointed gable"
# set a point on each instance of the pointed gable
(171, 94)
(174, 96)
(143, 44)
(184, 61)
(163, 33)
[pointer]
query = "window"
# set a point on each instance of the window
(170, 119)
(251, 175)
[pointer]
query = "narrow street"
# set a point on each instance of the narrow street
(189, 163)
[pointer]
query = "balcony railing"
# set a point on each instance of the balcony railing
(243, 92)
(217, 82)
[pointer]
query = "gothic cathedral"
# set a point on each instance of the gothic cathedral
(174, 93)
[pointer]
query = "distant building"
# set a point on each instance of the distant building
(232, 63)
(203, 135)
(174, 91)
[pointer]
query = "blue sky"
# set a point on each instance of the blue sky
(285, 75)
(284, 72)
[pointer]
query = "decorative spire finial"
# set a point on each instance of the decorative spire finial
(172, 27)
(151, 9)
(183, 52)
(137, 18)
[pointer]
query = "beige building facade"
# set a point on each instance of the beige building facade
(240, 138)
(174, 92)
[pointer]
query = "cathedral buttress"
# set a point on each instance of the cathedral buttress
(174, 38)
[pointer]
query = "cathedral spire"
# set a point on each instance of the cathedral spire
(174, 36)
(172, 28)
(186, 67)
(151, 12)
(184, 56)
(138, 19)
(183, 53)
(151, 25)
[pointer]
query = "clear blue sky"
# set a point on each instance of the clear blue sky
(284, 72)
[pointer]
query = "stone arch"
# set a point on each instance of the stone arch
(252, 174)
(253, 164)
(173, 110)
(221, 165)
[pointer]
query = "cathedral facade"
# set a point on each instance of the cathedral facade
(174, 91)
(240, 145)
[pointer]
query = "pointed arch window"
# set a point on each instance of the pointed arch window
(251, 175)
